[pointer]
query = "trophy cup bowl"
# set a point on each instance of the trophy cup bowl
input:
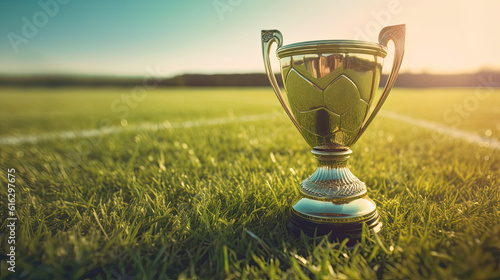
(331, 88)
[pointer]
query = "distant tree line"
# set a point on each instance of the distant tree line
(242, 80)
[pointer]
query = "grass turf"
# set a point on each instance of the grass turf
(211, 201)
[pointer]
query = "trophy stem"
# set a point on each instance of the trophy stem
(334, 202)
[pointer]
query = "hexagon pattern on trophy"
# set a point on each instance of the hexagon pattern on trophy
(330, 95)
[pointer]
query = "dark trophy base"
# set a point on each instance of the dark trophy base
(334, 202)
(336, 231)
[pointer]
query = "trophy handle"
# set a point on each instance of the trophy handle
(268, 38)
(396, 33)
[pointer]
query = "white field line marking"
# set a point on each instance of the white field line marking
(443, 129)
(35, 138)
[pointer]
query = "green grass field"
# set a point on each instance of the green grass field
(200, 199)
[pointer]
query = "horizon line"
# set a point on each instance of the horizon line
(121, 76)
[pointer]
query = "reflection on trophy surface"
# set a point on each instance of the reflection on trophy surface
(331, 89)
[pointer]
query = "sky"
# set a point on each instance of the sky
(166, 38)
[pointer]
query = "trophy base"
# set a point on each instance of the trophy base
(334, 202)
(339, 221)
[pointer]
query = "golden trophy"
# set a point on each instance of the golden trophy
(331, 88)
